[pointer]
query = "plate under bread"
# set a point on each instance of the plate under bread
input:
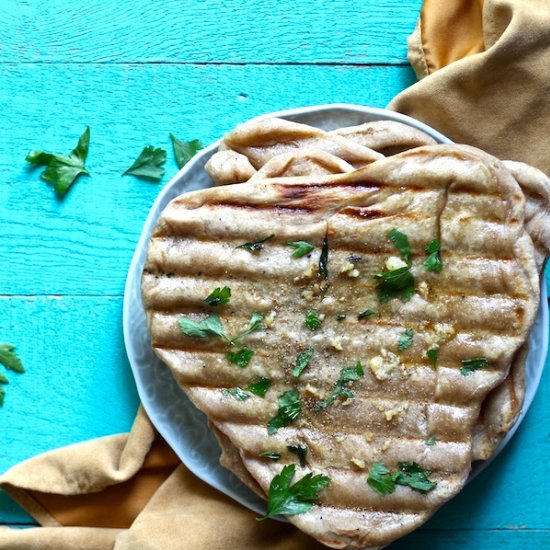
(175, 417)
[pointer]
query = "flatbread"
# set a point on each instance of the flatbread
(487, 291)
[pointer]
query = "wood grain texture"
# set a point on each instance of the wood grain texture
(213, 31)
(83, 244)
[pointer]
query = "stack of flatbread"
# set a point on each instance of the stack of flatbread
(350, 309)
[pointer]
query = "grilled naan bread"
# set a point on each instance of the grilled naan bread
(482, 304)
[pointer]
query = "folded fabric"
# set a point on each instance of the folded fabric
(485, 82)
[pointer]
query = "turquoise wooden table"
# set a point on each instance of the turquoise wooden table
(134, 72)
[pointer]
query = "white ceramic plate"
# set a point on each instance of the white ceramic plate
(180, 423)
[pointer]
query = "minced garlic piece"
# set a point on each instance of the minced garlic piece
(312, 391)
(358, 462)
(382, 365)
(385, 446)
(269, 318)
(354, 273)
(340, 438)
(393, 263)
(442, 333)
(390, 414)
(369, 437)
(336, 343)
(321, 316)
(423, 289)
(347, 267)
(307, 295)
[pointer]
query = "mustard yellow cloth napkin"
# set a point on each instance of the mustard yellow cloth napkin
(485, 80)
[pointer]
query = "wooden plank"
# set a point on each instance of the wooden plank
(218, 31)
(83, 244)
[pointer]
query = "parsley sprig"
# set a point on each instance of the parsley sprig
(433, 261)
(471, 365)
(347, 375)
(289, 499)
(240, 357)
(184, 150)
(148, 165)
(260, 387)
(219, 296)
(398, 283)
(302, 361)
(409, 474)
(406, 339)
(300, 451)
(301, 248)
(312, 320)
(290, 408)
(255, 247)
(401, 242)
(12, 362)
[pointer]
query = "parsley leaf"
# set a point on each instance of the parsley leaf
(3, 378)
(300, 451)
(211, 326)
(148, 165)
(398, 283)
(255, 246)
(471, 365)
(184, 150)
(272, 455)
(290, 500)
(254, 325)
(302, 361)
(411, 475)
(380, 479)
(431, 441)
(301, 248)
(347, 374)
(433, 261)
(241, 357)
(290, 408)
(365, 314)
(323, 259)
(401, 242)
(10, 359)
(237, 393)
(432, 354)
(260, 387)
(62, 170)
(219, 296)
(406, 339)
(312, 321)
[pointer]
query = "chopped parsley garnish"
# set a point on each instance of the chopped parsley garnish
(401, 242)
(312, 321)
(300, 451)
(254, 325)
(10, 359)
(365, 314)
(290, 408)
(290, 500)
(3, 378)
(341, 317)
(302, 361)
(255, 246)
(380, 479)
(301, 248)
(406, 339)
(218, 297)
(410, 474)
(347, 375)
(148, 165)
(184, 150)
(62, 170)
(260, 387)
(433, 261)
(323, 259)
(471, 365)
(432, 355)
(272, 455)
(398, 283)
(240, 357)
(237, 393)
(431, 441)
(211, 326)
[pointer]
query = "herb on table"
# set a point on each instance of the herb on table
(184, 150)
(237, 393)
(410, 474)
(219, 296)
(431, 441)
(432, 355)
(347, 375)
(312, 321)
(433, 261)
(12, 362)
(302, 361)
(255, 324)
(290, 408)
(401, 242)
(255, 246)
(365, 314)
(148, 165)
(398, 283)
(406, 339)
(300, 451)
(272, 455)
(290, 500)
(62, 170)
(471, 365)
(260, 387)
(301, 248)
(323, 259)
(3, 378)
(240, 357)
(211, 326)
(380, 479)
